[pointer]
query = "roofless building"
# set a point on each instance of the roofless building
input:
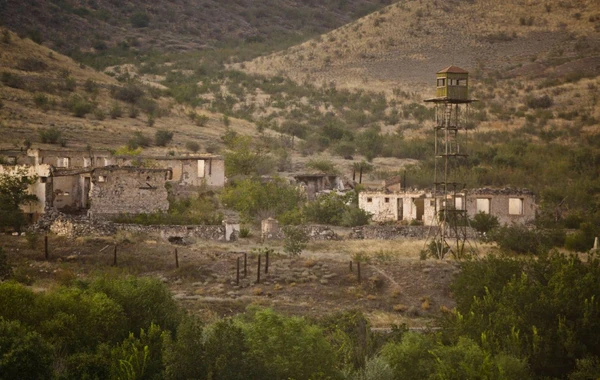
(451, 101)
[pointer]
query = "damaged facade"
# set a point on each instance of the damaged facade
(314, 184)
(96, 182)
(508, 205)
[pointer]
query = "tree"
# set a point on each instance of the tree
(295, 240)
(14, 194)
(24, 354)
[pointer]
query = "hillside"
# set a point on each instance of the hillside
(67, 25)
(404, 44)
(42, 89)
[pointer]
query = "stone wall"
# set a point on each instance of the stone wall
(168, 232)
(397, 232)
(127, 191)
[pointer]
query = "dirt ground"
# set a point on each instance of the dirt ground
(395, 287)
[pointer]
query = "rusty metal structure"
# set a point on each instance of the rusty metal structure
(449, 194)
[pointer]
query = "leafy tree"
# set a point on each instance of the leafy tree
(228, 355)
(138, 140)
(251, 197)
(295, 239)
(184, 356)
(289, 347)
(5, 268)
(24, 354)
(246, 158)
(140, 20)
(544, 309)
(14, 194)
(369, 143)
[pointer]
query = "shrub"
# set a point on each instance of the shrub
(12, 80)
(295, 240)
(32, 64)
(543, 101)
(99, 114)
(6, 36)
(322, 165)
(5, 268)
(41, 101)
(79, 106)
(90, 86)
(116, 111)
(130, 93)
(521, 239)
(50, 135)
(140, 20)
(192, 146)
(138, 140)
(163, 137)
(354, 216)
(70, 84)
(484, 223)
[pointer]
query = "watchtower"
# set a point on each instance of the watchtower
(450, 196)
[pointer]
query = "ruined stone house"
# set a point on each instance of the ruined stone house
(508, 205)
(318, 182)
(98, 183)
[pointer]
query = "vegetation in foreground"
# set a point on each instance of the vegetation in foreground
(515, 318)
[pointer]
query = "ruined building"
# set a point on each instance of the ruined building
(101, 184)
(508, 205)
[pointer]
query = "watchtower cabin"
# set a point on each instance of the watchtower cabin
(452, 85)
(451, 103)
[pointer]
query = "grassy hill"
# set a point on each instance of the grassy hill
(404, 44)
(42, 89)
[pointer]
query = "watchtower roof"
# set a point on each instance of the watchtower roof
(453, 70)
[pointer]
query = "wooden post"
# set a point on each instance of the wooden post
(115, 257)
(245, 264)
(237, 273)
(358, 270)
(360, 176)
(258, 271)
(46, 254)
(267, 262)
(351, 270)
(176, 259)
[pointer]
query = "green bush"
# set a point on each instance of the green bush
(79, 106)
(295, 239)
(163, 137)
(139, 20)
(484, 223)
(138, 140)
(116, 111)
(12, 80)
(192, 146)
(41, 101)
(51, 135)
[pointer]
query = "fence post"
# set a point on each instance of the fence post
(176, 259)
(237, 273)
(115, 257)
(245, 264)
(46, 254)
(267, 262)
(351, 270)
(358, 270)
(258, 271)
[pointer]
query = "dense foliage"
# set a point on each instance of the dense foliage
(515, 319)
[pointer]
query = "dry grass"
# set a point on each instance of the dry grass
(370, 249)
(20, 118)
(405, 43)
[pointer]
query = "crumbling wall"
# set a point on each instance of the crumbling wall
(500, 204)
(117, 191)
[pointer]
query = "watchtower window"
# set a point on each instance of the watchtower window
(369, 200)
(387, 200)
(441, 82)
